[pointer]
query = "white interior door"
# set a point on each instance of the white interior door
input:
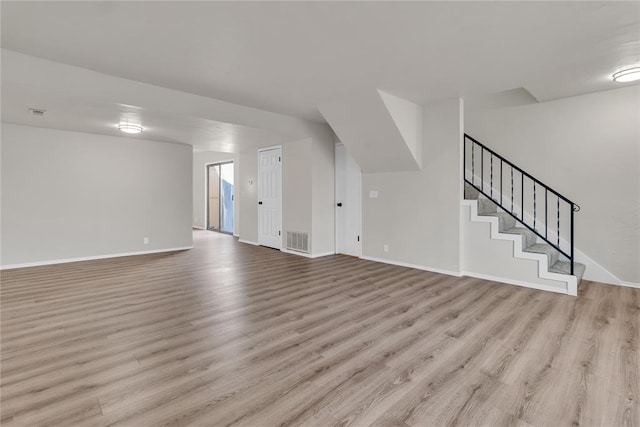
(348, 216)
(270, 197)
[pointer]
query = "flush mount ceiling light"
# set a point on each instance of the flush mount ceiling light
(629, 75)
(129, 128)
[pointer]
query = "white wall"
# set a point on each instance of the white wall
(323, 194)
(247, 197)
(587, 148)
(296, 190)
(418, 213)
(297, 209)
(200, 161)
(308, 170)
(69, 195)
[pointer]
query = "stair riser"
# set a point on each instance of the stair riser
(530, 238)
(505, 223)
(471, 193)
(486, 206)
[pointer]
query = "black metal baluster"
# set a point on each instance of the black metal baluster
(501, 182)
(491, 179)
(464, 161)
(473, 164)
(511, 189)
(522, 196)
(546, 226)
(534, 205)
(558, 209)
(482, 169)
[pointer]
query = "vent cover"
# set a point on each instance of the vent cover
(298, 241)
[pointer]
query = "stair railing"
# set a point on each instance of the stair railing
(521, 195)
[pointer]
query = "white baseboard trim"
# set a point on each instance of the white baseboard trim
(91, 258)
(248, 242)
(236, 235)
(418, 267)
(318, 255)
(321, 254)
(516, 282)
(198, 228)
(287, 251)
(629, 284)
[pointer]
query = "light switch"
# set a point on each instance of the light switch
(373, 194)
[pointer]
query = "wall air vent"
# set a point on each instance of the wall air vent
(298, 241)
(38, 112)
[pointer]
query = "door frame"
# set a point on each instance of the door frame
(260, 150)
(336, 201)
(206, 194)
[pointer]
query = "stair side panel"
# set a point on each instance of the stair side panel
(489, 253)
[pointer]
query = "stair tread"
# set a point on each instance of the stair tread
(564, 267)
(518, 230)
(498, 214)
(528, 237)
(541, 248)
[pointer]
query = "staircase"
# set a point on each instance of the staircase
(522, 209)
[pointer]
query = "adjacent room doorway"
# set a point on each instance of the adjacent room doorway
(220, 197)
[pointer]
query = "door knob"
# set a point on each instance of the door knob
(340, 204)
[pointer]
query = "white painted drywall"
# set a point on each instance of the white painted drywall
(247, 197)
(507, 98)
(296, 190)
(587, 148)
(69, 195)
(297, 184)
(323, 194)
(417, 214)
(200, 161)
(308, 170)
(407, 117)
(366, 126)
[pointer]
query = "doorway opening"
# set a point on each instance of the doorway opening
(220, 197)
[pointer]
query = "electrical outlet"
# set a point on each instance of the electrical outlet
(385, 247)
(145, 240)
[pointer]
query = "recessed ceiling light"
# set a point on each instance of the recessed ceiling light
(629, 75)
(129, 128)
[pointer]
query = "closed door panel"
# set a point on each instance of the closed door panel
(348, 194)
(270, 197)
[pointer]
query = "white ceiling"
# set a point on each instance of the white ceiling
(290, 57)
(87, 101)
(84, 115)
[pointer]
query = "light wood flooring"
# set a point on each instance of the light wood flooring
(232, 334)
